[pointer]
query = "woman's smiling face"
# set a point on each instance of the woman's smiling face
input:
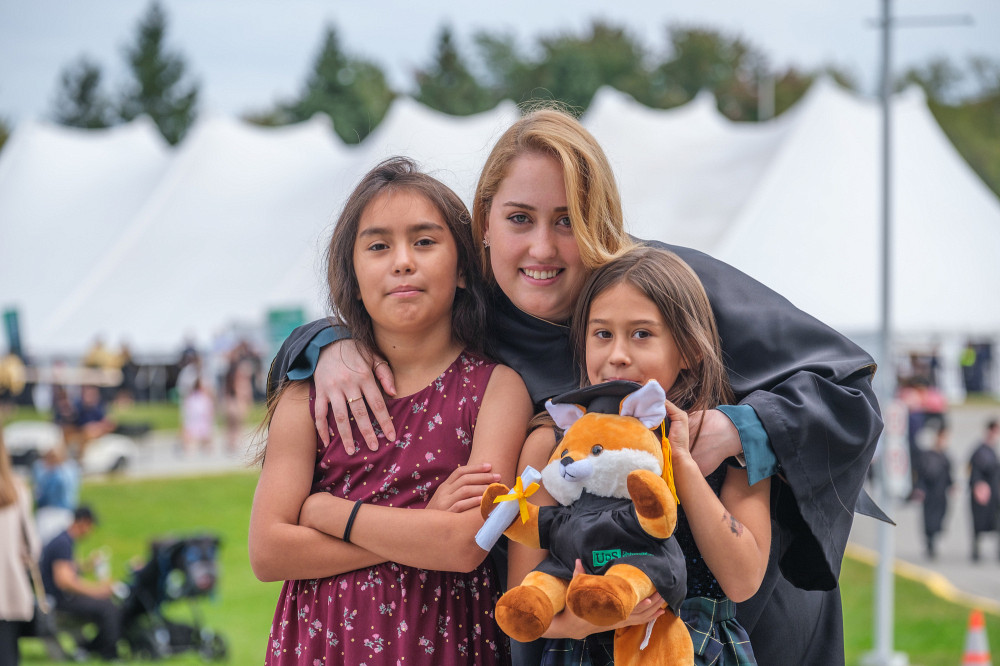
(533, 252)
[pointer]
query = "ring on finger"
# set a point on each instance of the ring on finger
(378, 364)
(350, 400)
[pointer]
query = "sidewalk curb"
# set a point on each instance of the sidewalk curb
(938, 585)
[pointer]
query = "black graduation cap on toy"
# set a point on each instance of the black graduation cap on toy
(620, 396)
(603, 398)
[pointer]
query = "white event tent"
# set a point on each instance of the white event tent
(66, 195)
(108, 232)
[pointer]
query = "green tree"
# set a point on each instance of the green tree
(939, 78)
(273, 117)
(352, 91)
(705, 59)
(80, 101)
(792, 84)
(573, 68)
(973, 123)
(570, 69)
(158, 87)
(448, 85)
(4, 131)
(506, 72)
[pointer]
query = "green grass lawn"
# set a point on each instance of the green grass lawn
(132, 513)
(931, 631)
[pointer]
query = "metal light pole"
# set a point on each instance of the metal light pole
(885, 584)
(883, 655)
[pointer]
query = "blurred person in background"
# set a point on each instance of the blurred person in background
(90, 419)
(130, 369)
(56, 481)
(97, 356)
(984, 486)
(935, 483)
(197, 417)
(237, 398)
(63, 410)
(82, 598)
(13, 379)
(927, 409)
(190, 370)
(19, 544)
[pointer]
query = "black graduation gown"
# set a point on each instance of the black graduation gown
(605, 531)
(811, 388)
(984, 465)
(934, 480)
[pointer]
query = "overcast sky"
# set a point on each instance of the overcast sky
(247, 54)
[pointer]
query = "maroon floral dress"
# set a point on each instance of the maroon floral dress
(390, 613)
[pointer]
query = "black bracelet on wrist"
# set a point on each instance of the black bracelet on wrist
(350, 521)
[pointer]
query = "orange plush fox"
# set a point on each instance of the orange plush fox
(612, 477)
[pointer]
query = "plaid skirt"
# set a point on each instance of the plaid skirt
(594, 650)
(719, 640)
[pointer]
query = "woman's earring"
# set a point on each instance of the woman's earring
(486, 241)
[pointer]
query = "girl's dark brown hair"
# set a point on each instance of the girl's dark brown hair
(397, 174)
(468, 313)
(666, 280)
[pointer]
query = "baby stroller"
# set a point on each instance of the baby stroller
(181, 568)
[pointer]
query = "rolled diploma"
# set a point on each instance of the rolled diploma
(504, 514)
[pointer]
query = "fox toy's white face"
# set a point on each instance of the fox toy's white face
(596, 456)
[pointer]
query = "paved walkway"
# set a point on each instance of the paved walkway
(160, 454)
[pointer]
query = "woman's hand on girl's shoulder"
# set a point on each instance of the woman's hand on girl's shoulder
(345, 381)
(463, 489)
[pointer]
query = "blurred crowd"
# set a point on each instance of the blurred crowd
(228, 388)
(932, 466)
(46, 585)
(44, 582)
(214, 390)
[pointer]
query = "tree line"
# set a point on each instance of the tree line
(354, 91)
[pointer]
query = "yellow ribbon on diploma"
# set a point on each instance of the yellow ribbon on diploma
(521, 495)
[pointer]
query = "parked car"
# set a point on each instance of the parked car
(27, 441)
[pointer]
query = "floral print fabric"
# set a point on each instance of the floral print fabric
(390, 613)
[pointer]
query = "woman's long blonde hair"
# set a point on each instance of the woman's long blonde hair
(595, 208)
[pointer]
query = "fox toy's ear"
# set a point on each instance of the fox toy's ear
(646, 404)
(564, 414)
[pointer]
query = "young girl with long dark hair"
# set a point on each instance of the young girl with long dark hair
(377, 546)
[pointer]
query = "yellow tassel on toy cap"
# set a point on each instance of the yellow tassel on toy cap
(668, 466)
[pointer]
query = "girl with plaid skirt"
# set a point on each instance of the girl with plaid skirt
(645, 316)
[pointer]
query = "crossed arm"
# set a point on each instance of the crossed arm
(294, 535)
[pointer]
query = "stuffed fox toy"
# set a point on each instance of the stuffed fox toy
(611, 475)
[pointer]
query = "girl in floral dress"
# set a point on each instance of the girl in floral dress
(376, 547)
